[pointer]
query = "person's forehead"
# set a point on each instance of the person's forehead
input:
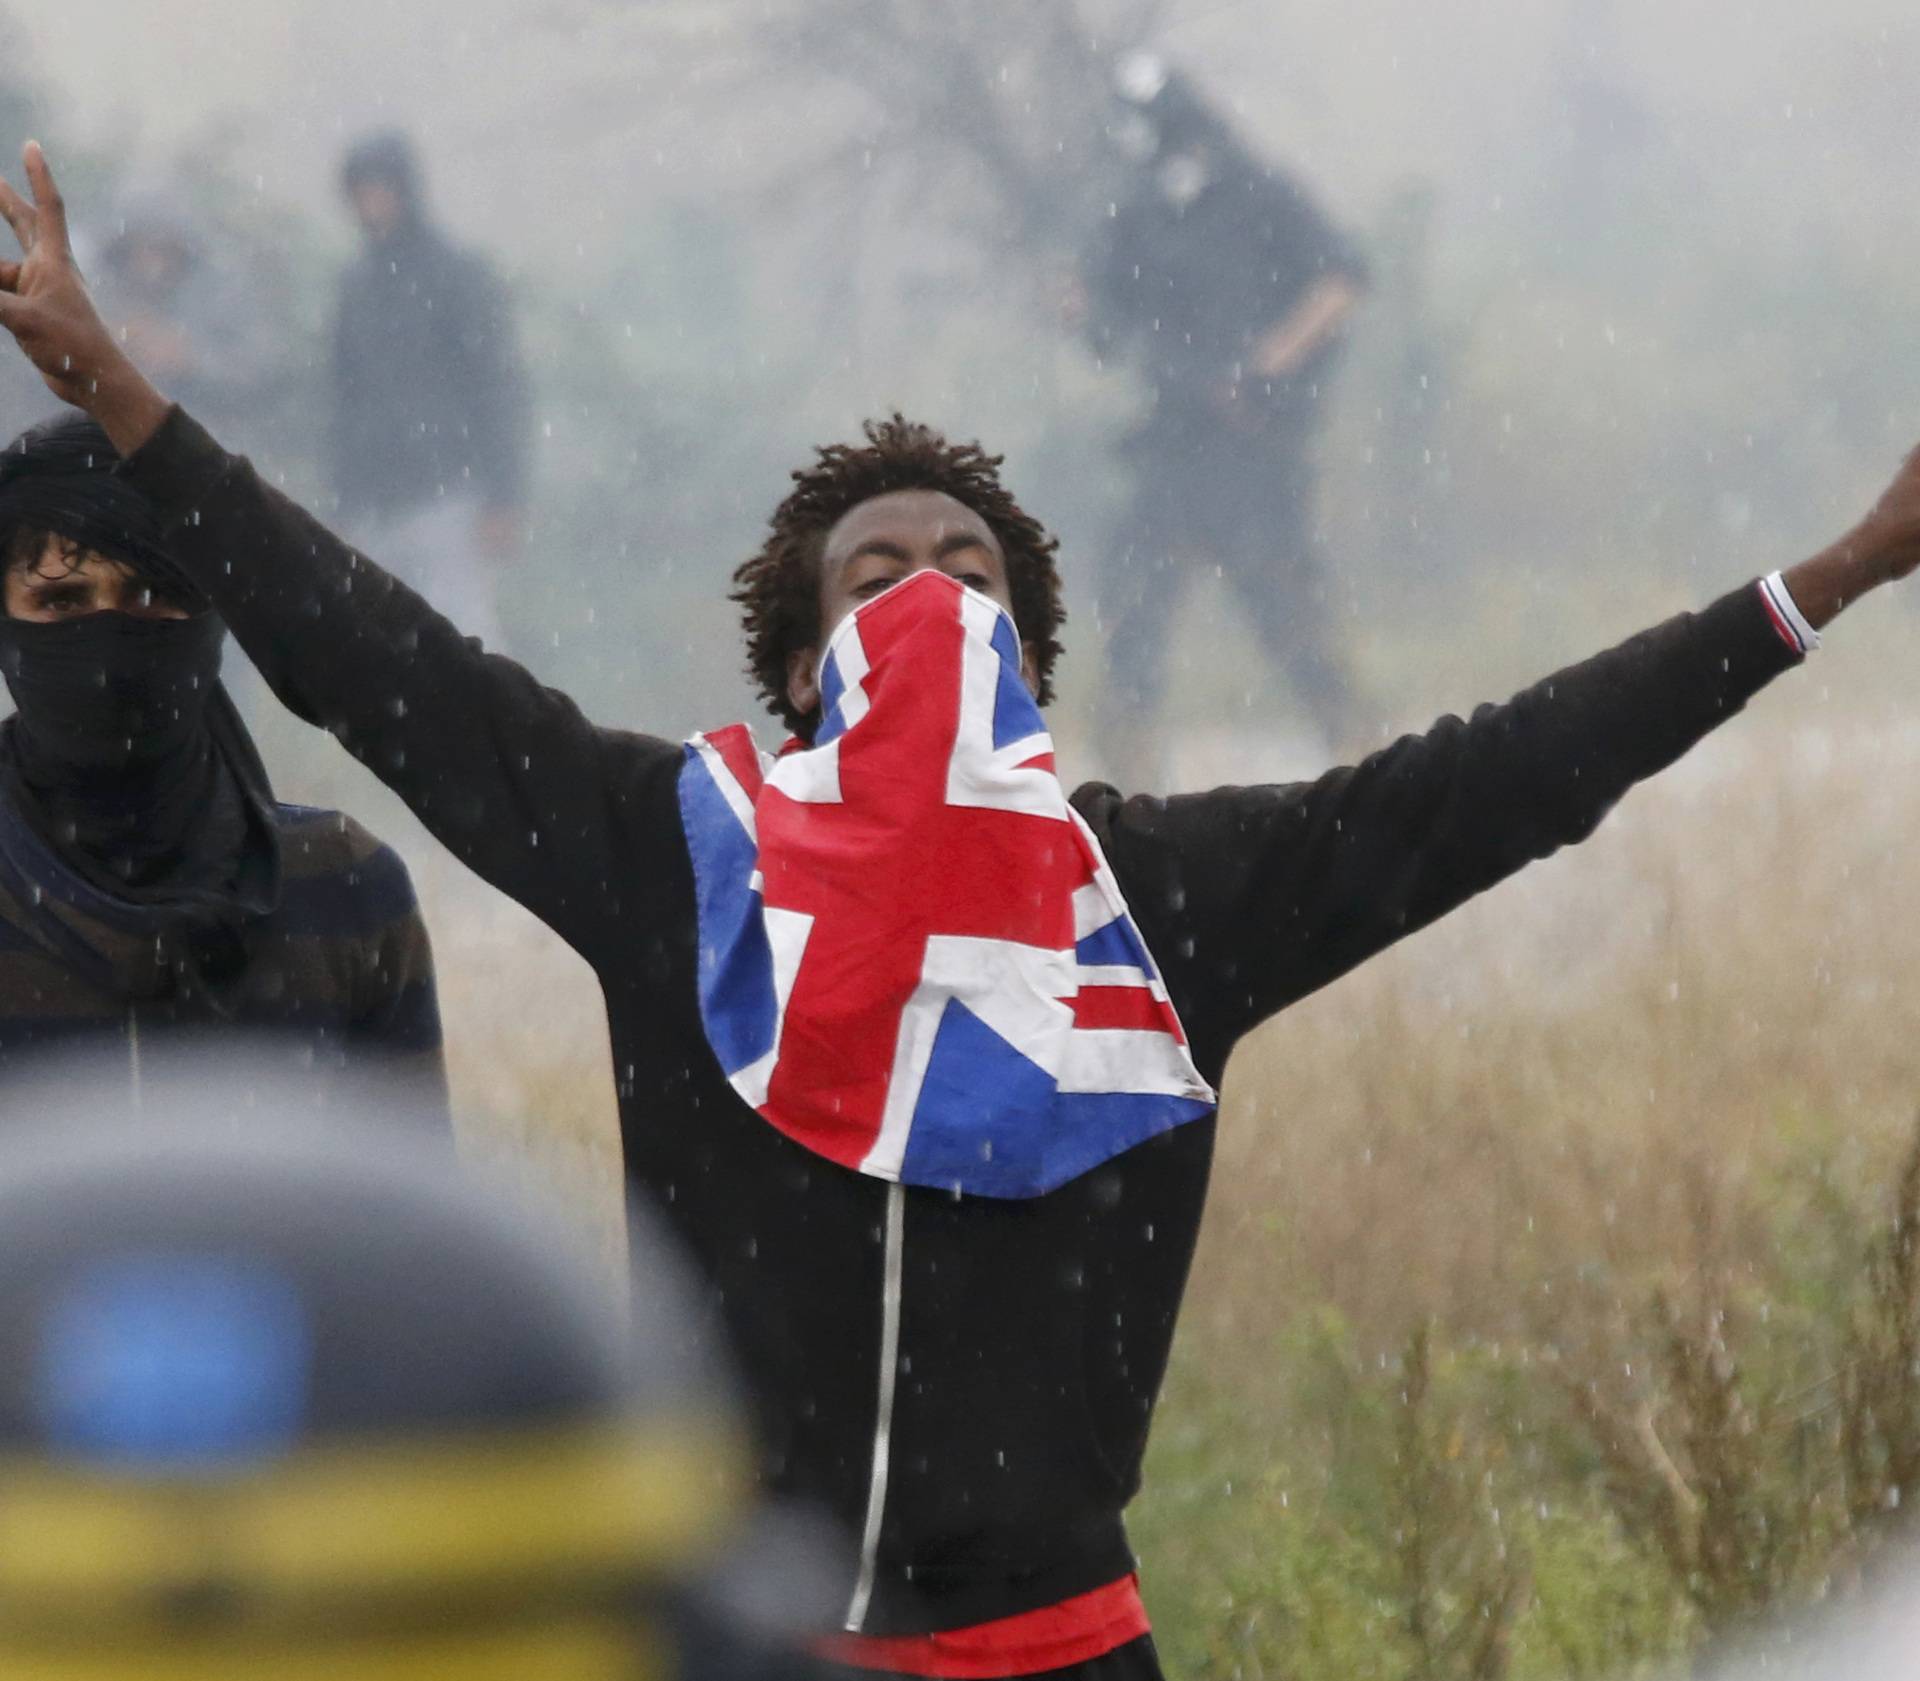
(58, 557)
(903, 515)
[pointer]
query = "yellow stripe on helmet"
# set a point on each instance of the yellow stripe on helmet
(575, 1651)
(392, 1519)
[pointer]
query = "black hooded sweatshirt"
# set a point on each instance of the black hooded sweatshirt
(984, 1471)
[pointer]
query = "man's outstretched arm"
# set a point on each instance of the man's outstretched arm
(1258, 896)
(504, 771)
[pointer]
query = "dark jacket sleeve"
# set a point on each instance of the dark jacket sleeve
(558, 814)
(1252, 898)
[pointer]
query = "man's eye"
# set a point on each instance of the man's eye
(873, 587)
(977, 581)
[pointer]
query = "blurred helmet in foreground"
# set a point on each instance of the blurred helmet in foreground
(305, 1402)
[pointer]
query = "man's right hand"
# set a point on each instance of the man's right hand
(45, 306)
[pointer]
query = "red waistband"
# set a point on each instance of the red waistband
(1089, 1625)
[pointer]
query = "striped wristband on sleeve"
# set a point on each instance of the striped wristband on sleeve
(1787, 618)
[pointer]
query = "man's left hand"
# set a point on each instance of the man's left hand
(1882, 548)
(1891, 530)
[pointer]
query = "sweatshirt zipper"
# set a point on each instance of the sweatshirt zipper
(133, 1056)
(883, 1414)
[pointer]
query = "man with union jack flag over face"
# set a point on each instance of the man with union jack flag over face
(914, 1050)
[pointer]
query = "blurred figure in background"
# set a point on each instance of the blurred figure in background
(149, 880)
(430, 416)
(171, 304)
(288, 1400)
(1220, 281)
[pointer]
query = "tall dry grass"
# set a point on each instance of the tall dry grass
(1594, 1063)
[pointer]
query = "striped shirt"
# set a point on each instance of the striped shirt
(340, 970)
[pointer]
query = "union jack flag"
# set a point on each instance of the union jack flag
(914, 959)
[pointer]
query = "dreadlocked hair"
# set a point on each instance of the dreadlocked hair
(778, 589)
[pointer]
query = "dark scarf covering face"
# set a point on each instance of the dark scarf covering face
(116, 743)
(125, 754)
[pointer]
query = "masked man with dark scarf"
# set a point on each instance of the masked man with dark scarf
(914, 1050)
(148, 878)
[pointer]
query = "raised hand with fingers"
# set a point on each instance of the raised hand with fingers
(44, 304)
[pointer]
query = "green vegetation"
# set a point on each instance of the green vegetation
(1479, 1511)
